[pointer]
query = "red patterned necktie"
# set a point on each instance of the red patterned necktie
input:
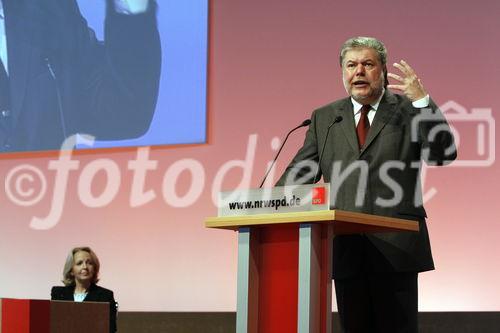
(363, 125)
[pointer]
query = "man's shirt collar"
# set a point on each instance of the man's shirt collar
(357, 106)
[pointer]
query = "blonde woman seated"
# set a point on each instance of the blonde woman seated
(80, 277)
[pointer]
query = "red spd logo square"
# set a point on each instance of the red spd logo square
(318, 196)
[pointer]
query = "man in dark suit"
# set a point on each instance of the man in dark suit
(372, 158)
(57, 79)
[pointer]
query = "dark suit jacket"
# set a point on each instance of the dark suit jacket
(95, 294)
(108, 89)
(389, 139)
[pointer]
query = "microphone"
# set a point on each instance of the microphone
(58, 96)
(337, 119)
(306, 122)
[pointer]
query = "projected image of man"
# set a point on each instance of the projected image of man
(57, 79)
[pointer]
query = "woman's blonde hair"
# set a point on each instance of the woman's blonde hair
(68, 278)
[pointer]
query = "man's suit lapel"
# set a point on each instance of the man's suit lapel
(384, 112)
(347, 124)
(19, 32)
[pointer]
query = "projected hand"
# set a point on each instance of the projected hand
(135, 6)
(410, 83)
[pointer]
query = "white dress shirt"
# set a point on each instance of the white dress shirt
(419, 104)
(79, 297)
(3, 40)
(129, 7)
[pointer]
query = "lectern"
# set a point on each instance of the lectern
(285, 263)
(42, 316)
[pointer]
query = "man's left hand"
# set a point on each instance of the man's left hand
(410, 83)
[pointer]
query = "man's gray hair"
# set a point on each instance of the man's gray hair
(364, 42)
